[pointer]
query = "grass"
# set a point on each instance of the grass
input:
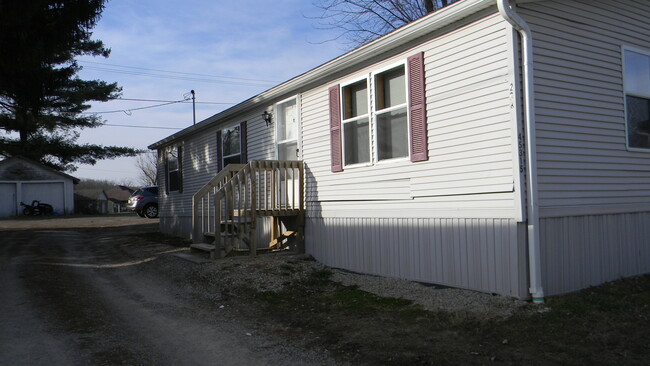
(604, 325)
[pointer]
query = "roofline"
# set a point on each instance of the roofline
(74, 180)
(409, 32)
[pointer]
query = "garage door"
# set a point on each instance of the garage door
(51, 193)
(7, 199)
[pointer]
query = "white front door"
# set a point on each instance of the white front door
(287, 132)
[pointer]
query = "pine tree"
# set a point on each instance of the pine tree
(42, 99)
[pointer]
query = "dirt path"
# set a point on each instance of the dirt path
(86, 291)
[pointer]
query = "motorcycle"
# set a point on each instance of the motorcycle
(37, 209)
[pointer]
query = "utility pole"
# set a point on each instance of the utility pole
(193, 106)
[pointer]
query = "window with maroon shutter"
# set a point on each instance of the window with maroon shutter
(395, 125)
(335, 129)
(417, 108)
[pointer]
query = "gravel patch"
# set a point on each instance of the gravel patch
(273, 272)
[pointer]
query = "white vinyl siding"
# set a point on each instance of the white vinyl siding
(200, 165)
(470, 136)
(583, 160)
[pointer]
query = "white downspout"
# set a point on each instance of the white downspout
(534, 257)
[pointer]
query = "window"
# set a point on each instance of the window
(356, 130)
(390, 114)
(231, 145)
(637, 98)
(390, 128)
(174, 170)
(381, 117)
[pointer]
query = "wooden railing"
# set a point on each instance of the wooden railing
(229, 205)
(203, 202)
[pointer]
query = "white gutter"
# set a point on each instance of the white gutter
(534, 257)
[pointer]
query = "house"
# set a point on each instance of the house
(25, 180)
(495, 146)
(118, 196)
(91, 201)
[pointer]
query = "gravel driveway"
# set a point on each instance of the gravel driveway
(86, 290)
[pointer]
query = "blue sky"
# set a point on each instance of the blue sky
(227, 51)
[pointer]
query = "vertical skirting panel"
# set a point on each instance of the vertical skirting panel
(479, 254)
(583, 251)
(180, 226)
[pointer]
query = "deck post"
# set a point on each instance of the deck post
(253, 208)
(301, 207)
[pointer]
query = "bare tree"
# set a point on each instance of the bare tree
(148, 169)
(361, 21)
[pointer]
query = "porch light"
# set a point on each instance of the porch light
(267, 117)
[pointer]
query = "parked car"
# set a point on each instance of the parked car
(144, 202)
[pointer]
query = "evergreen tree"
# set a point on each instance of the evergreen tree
(42, 99)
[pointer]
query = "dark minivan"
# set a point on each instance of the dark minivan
(144, 202)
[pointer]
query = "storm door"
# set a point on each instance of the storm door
(287, 131)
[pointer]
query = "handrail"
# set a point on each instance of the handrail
(240, 193)
(212, 186)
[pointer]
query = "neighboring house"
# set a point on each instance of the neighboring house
(24, 180)
(91, 201)
(118, 196)
(495, 148)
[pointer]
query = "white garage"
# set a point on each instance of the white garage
(24, 180)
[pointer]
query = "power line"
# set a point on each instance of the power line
(128, 111)
(136, 126)
(177, 72)
(168, 101)
(190, 77)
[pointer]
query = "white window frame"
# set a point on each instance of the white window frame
(223, 145)
(298, 139)
(625, 94)
(347, 83)
(170, 151)
(375, 113)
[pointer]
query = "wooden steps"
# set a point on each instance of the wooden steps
(227, 210)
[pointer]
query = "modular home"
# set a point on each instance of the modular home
(501, 146)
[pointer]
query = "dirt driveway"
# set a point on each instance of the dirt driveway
(103, 291)
(112, 291)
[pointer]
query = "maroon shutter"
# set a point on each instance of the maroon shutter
(417, 108)
(335, 129)
(243, 157)
(219, 152)
(180, 169)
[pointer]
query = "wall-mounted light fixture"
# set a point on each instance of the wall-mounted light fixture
(268, 118)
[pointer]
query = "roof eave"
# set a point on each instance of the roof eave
(409, 32)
